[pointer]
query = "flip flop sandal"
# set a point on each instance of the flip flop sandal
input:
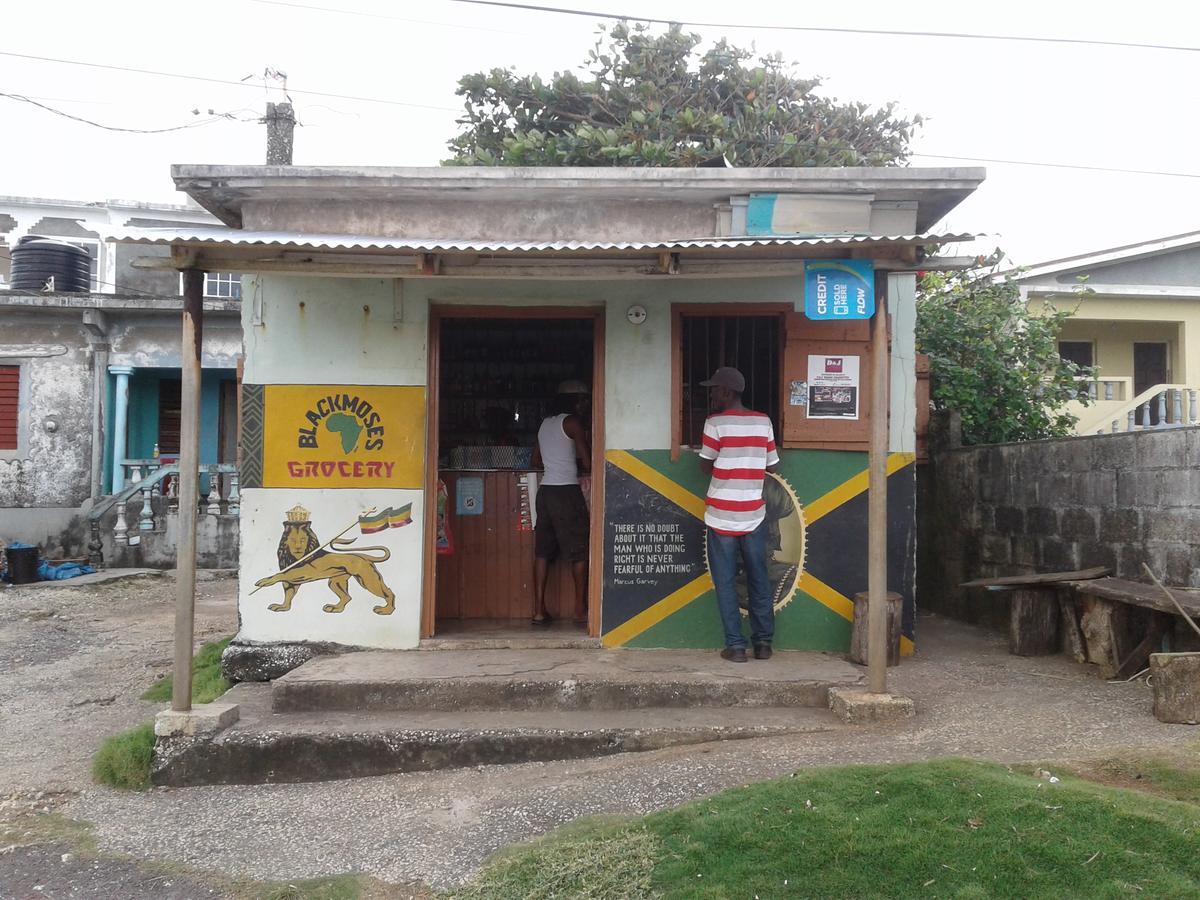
(541, 623)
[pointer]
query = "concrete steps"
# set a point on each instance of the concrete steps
(557, 680)
(268, 747)
(375, 712)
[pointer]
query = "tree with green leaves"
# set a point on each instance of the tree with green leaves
(649, 99)
(995, 360)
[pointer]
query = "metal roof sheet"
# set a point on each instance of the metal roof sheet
(297, 240)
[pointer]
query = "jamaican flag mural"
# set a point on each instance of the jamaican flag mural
(657, 590)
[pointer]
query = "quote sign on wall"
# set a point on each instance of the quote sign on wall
(648, 550)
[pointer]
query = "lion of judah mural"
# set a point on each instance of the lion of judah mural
(302, 559)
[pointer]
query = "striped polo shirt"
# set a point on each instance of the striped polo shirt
(741, 444)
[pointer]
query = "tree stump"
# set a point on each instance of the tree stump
(858, 636)
(1033, 622)
(1176, 681)
(1107, 630)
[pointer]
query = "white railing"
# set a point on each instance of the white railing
(1108, 390)
(147, 481)
(1162, 406)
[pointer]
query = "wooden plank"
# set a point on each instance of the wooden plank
(1035, 578)
(1135, 593)
(429, 580)
(1138, 658)
(1033, 623)
(1069, 623)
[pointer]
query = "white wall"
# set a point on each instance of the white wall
(263, 515)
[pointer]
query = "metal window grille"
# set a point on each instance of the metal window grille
(750, 344)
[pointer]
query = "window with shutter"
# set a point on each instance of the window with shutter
(169, 416)
(10, 395)
(841, 421)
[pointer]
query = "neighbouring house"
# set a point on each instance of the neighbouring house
(405, 330)
(89, 393)
(1137, 322)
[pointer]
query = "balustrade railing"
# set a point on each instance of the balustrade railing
(148, 480)
(1163, 406)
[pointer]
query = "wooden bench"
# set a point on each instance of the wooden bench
(1111, 622)
(1114, 635)
(1038, 603)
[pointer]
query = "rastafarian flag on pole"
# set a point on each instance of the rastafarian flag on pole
(371, 521)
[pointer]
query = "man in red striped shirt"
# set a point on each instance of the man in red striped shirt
(738, 450)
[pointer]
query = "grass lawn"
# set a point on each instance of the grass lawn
(207, 681)
(949, 828)
(123, 760)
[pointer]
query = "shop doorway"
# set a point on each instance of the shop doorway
(493, 377)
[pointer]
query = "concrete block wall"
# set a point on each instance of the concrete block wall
(1114, 500)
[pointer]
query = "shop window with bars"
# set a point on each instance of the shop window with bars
(10, 395)
(750, 343)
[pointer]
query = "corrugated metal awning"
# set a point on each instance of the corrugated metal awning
(234, 237)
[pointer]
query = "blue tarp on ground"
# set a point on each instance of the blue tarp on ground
(47, 572)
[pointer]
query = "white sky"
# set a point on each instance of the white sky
(1093, 106)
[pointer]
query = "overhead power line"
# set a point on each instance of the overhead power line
(592, 14)
(1054, 165)
(374, 15)
(216, 117)
(205, 78)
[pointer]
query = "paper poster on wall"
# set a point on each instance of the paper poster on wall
(833, 383)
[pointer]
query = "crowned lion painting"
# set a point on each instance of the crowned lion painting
(303, 559)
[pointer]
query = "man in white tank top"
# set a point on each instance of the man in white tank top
(562, 515)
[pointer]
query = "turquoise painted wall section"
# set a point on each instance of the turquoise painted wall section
(143, 412)
(142, 432)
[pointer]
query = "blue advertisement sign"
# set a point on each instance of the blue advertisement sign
(469, 496)
(839, 289)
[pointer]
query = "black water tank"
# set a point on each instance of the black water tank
(35, 260)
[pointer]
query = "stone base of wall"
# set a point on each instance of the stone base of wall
(1115, 500)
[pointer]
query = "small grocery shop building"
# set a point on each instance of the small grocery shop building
(405, 331)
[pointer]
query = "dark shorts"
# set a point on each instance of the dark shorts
(562, 523)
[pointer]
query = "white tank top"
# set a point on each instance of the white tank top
(558, 453)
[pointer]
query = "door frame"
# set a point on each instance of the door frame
(1166, 352)
(439, 313)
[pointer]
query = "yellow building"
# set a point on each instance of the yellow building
(1138, 323)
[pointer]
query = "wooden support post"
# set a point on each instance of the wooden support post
(1033, 626)
(189, 487)
(877, 494)
(1069, 623)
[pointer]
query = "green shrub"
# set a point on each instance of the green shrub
(207, 681)
(123, 760)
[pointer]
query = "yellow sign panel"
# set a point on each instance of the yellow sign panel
(343, 436)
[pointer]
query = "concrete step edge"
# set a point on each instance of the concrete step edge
(254, 756)
(481, 694)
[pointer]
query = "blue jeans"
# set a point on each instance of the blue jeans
(723, 566)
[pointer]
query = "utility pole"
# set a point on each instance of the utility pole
(877, 524)
(189, 487)
(281, 125)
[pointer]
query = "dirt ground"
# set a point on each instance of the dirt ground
(74, 662)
